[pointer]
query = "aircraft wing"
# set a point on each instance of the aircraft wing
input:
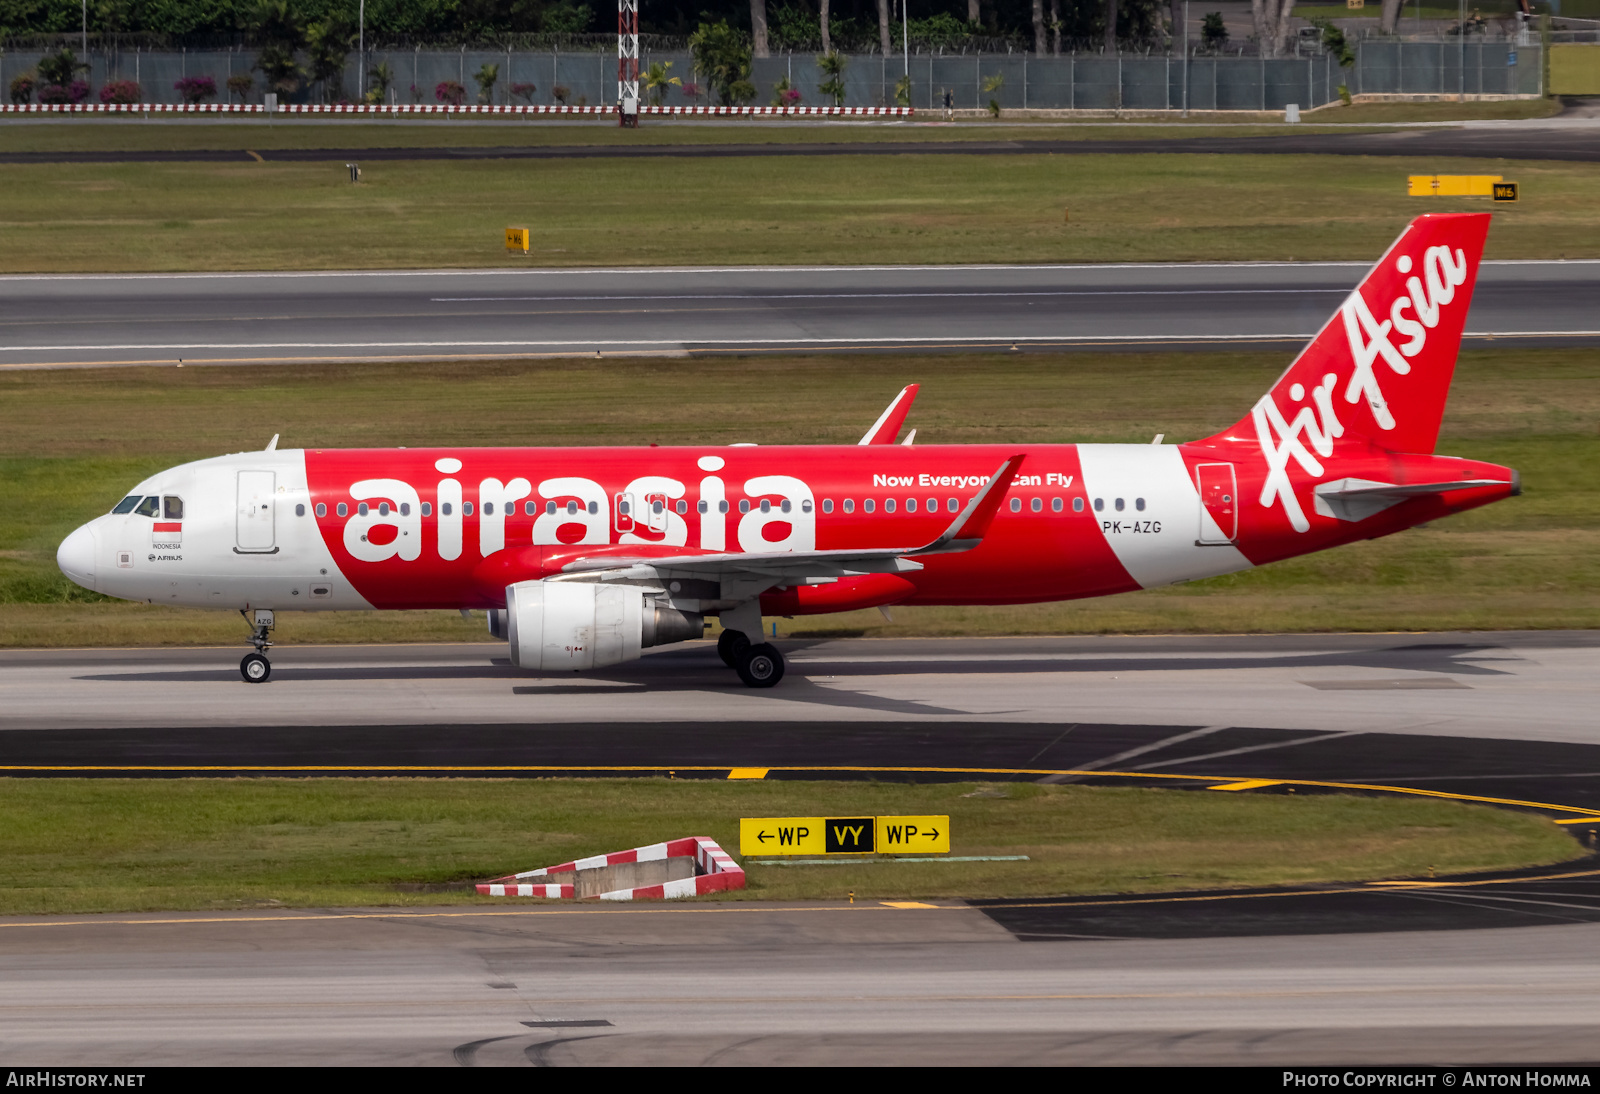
(963, 534)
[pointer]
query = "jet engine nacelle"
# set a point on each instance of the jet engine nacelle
(553, 625)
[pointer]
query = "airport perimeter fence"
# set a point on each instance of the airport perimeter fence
(1085, 81)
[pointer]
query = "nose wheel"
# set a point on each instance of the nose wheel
(255, 668)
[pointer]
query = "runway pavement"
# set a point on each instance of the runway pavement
(53, 320)
(764, 985)
(1571, 138)
(1492, 969)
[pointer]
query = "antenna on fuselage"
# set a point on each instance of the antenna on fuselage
(272, 445)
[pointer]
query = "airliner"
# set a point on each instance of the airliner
(584, 557)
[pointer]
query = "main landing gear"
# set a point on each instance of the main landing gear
(255, 668)
(759, 665)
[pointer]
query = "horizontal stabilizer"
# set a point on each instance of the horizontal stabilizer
(1358, 499)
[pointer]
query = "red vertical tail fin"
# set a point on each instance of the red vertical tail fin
(1380, 368)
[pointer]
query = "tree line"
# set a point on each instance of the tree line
(767, 26)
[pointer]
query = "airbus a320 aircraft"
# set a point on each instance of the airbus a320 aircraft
(585, 556)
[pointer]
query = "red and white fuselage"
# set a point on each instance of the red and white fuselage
(1340, 449)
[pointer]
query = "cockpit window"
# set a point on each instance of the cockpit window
(126, 504)
(149, 507)
(173, 507)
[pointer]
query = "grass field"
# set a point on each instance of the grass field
(82, 845)
(759, 210)
(71, 441)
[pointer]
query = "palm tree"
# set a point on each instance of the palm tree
(329, 42)
(832, 66)
(485, 78)
(381, 77)
(278, 26)
(656, 81)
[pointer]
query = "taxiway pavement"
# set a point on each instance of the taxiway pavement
(239, 318)
(1522, 686)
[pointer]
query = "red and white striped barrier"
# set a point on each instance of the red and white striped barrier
(555, 892)
(130, 108)
(717, 871)
(397, 109)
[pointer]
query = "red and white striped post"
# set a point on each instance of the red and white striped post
(628, 63)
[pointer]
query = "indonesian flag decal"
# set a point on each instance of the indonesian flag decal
(167, 533)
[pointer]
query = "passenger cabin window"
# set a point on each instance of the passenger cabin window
(744, 505)
(362, 509)
(827, 505)
(488, 508)
(172, 507)
(1119, 505)
(953, 505)
(299, 510)
(1016, 505)
(849, 505)
(911, 505)
(427, 509)
(869, 505)
(1037, 505)
(1077, 505)
(466, 508)
(1056, 505)
(888, 505)
(1138, 503)
(126, 504)
(528, 508)
(682, 506)
(343, 510)
(445, 509)
(149, 507)
(1099, 504)
(322, 509)
(702, 506)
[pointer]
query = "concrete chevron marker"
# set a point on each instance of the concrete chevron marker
(715, 870)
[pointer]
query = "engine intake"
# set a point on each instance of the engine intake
(554, 625)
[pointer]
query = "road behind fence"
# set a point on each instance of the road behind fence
(1086, 81)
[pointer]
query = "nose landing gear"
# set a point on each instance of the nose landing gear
(255, 668)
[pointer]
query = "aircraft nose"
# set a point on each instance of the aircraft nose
(76, 556)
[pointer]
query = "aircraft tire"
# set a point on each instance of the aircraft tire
(730, 645)
(760, 666)
(255, 668)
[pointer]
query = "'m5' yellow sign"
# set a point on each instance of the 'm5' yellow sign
(844, 835)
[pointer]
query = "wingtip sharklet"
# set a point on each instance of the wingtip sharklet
(887, 427)
(968, 529)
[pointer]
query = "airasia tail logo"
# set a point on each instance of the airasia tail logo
(1284, 438)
